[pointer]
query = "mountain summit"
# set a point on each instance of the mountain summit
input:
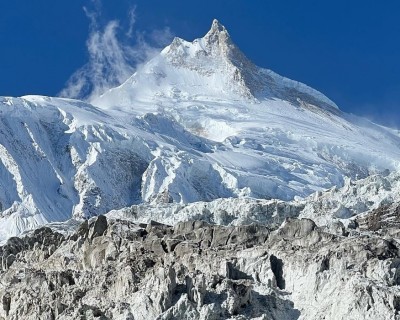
(212, 65)
(218, 39)
(217, 42)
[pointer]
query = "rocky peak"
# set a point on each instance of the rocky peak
(218, 40)
(215, 49)
(217, 27)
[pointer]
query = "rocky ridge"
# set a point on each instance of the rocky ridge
(117, 269)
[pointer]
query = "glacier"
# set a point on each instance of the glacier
(196, 123)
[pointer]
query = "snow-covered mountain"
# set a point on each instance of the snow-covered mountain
(197, 122)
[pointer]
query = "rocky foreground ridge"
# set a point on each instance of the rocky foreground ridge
(117, 269)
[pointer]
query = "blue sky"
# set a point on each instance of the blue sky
(349, 50)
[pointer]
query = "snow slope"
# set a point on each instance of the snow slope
(281, 138)
(198, 122)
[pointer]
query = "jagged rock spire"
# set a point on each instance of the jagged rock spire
(218, 39)
(217, 28)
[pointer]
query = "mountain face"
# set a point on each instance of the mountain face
(204, 187)
(198, 122)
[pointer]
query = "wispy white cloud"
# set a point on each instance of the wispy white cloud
(132, 21)
(113, 54)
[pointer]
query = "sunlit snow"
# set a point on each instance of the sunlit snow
(196, 123)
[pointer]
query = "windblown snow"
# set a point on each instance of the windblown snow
(198, 122)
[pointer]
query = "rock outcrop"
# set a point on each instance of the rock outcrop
(116, 269)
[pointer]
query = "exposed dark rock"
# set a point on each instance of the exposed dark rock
(112, 269)
(277, 269)
(99, 227)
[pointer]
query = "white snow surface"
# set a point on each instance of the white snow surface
(198, 122)
(223, 211)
